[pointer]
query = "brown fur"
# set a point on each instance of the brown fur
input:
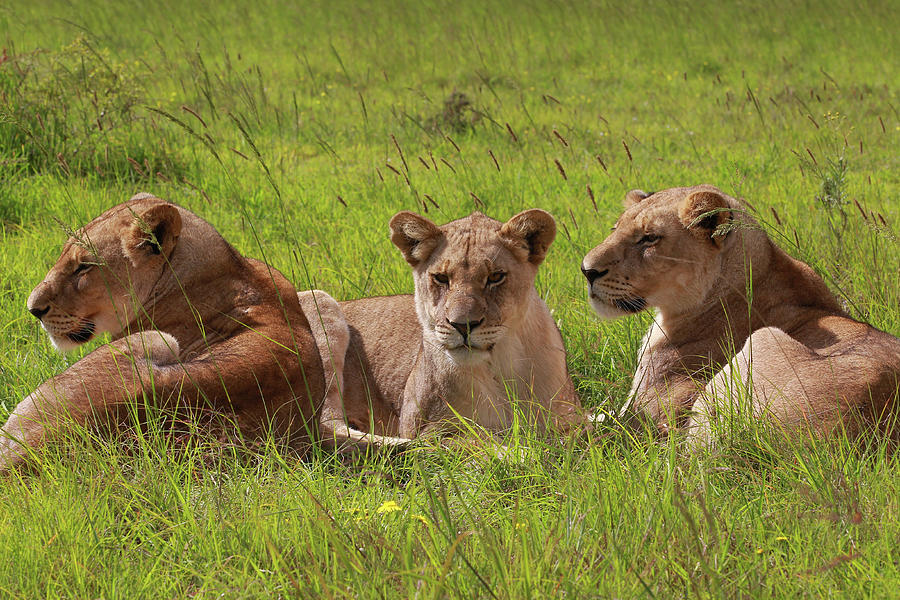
(410, 371)
(189, 318)
(696, 255)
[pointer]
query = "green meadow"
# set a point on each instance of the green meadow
(298, 129)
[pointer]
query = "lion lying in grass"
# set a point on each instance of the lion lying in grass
(191, 319)
(474, 344)
(739, 322)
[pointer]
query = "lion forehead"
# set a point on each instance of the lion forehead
(659, 211)
(474, 259)
(477, 247)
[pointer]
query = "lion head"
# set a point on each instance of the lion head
(665, 251)
(106, 272)
(474, 277)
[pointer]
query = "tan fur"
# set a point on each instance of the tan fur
(731, 304)
(189, 318)
(410, 370)
(332, 333)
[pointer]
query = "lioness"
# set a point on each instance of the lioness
(730, 302)
(189, 318)
(474, 335)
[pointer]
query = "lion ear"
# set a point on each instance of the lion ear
(635, 196)
(141, 196)
(530, 232)
(414, 235)
(153, 233)
(703, 212)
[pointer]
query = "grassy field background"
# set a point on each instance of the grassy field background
(298, 130)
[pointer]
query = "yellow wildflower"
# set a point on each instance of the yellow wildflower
(388, 507)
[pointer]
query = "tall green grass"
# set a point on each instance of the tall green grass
(298, 130)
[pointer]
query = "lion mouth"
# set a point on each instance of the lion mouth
(469, 354)
(82, 335)
(631, 305)
(470, 347)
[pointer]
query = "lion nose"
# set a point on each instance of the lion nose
(466, 328)
(593, 274)
(39, 312)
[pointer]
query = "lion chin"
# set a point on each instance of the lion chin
(466, 355)
(620, 307)
(73, 339)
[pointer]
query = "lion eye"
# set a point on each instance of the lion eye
(440, 278)
(648, 239)
(495, 278)
(81, 269)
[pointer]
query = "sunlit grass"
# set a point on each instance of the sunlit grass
(298, 130)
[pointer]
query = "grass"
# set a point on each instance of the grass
(299, 130)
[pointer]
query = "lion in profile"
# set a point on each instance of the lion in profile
(475, 344)
(739, 324)
(193, 323)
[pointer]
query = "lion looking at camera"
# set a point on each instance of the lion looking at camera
(475, 344)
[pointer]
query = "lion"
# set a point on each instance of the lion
(737, 321)
(475, 343)
(191, 320)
